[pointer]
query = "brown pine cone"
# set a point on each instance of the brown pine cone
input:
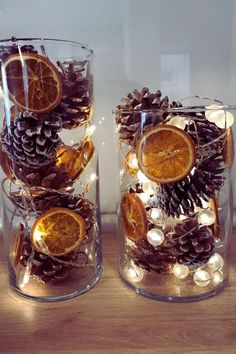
(129, 117)
(191, 243)
(75, 106)
(150, 258)
(47, 269)
(31, 140)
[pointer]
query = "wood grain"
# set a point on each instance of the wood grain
(111, 318)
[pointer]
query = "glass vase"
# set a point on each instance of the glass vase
(51, 216)
(175, 208)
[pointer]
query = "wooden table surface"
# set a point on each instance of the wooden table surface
(111, 318)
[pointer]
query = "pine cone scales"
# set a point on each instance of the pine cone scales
(32, 140)
(6, 51)
(150, 258)
(130, 122)
(191, 243)
(75, 105)
(49, 269)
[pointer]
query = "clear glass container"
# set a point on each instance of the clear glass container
(51, 215)
(175, 208)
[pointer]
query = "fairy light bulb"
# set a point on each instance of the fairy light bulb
(222, 119)
(135, 274)
(201, 278)
(216, 261)
(93, 177)
(180, 271)
(217, 277)
(148, 188)
(144, 197)
(142, 178)
(207, 217)
(178, 121)
(155, 237)
(133, 162)
(90, 130)
(156, 214)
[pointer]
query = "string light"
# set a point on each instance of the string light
(142, 178)
(217, 277)
(180, 271)
(155, 237)
(93, 177)
(135, 274)
(207, 217)
(222, 119)
(178, 121)
(90, 130)
(201, 278)
(133, 162)
(156, 214)
(216, 261)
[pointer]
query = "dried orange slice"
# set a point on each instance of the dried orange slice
(34, 83)
(134, 216)
(58, 231)
(131, 163)
(166, 154)
(5, 163)
(74, 160)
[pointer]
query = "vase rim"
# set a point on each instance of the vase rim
(42, 39)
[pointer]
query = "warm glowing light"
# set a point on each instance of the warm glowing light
(37, 235)
(142, 178)
(90, 130)
(223, 119)
(148, 188)
(93, 177)
(217, 277)
(133, 162)
(216, 261)
(181, 271)
(178, 121)
(135, 274)
(144, 197)
(156, 214)
(207, 217)
(201, 278)
(155, 237)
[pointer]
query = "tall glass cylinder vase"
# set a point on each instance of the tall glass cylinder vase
(175, 209)
(51, 216)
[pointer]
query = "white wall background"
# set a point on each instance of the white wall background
(183, 47)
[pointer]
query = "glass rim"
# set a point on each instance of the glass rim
(186, 109)
(38, 39)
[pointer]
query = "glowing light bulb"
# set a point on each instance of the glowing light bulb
(181, 271)
(211, 109)
(90, 130)
(144, 197)
(217, 277)
(135, 274)
(201, 278)
(148, 188)
(93, 177)
(207, 217)
(37, 235)
(156, 214)
(155, 237)
(142, 178)
(133, 162)
(178, 121)
(222, 119)
(216, 261)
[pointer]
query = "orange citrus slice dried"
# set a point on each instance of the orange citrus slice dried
(131, 163)
(166, 154)
(74, 160)
(58, 231)
(34, 83)
(134, 216)
(5, 163)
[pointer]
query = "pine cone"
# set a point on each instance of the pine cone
(45, 268)
(41, 201)
(204, 181)
(192, 243)
(130, 120)
(146, 256)
(7, 50)
(75, 106)
(32, 140)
